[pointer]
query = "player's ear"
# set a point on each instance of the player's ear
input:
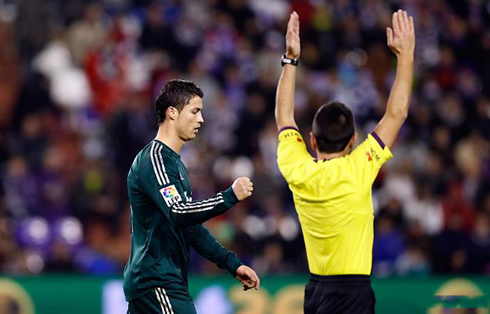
(172, 113)
(313, 142)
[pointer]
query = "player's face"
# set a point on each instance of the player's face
(190, 119)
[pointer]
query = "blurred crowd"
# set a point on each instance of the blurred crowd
(77, 84)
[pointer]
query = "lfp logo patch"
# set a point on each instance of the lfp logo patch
(170, 195)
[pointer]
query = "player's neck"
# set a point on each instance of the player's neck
(168, 136)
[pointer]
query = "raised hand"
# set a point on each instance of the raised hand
(401, 38)
(247, 277)
(293, 47)
(243, 188)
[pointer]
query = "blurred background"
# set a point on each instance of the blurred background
(78, 81)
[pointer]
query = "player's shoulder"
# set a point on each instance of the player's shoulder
(156, 158)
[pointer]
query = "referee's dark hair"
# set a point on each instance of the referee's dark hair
(176, 93)
(333, 127)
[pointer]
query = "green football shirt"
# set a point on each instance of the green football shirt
(165, 223)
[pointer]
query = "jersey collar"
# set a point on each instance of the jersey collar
(168, 149)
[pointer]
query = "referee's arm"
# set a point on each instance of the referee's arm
(285, 89)
(401, 40)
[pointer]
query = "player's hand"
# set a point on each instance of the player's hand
(243, 188)
(293, 46)
(247, 277)
(401, 38)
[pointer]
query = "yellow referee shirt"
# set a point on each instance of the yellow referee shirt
(334, 203)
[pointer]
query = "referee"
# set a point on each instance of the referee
(332, 192)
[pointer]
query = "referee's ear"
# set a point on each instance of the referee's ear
(352, 142)
(313, 143)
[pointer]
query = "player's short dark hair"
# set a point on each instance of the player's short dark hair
(176, 93)
(333, 127)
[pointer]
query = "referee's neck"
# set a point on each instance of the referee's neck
(328, 156)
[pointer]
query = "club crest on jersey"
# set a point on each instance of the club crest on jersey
(170, 195)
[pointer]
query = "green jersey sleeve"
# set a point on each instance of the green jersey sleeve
(205, 244)
(162, 184)
(185, 214)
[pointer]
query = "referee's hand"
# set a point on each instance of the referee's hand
(293, 46)
(247, 277)
(243, 188)
(401, 38)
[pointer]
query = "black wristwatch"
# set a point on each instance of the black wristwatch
(286, 60)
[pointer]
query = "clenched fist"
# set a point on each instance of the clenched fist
(243, 188)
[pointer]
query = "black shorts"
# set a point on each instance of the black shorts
(342, 294)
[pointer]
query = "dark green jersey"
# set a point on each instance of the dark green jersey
(165, 223)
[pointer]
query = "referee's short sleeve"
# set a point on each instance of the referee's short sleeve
(291, 152)
(366, 160)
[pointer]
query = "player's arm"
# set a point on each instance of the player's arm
(401, 40)
(284, 111)
(166, 190)
(192, 213)
(170, 199)
(205, 244)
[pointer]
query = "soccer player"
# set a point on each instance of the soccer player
(165, 222)
(332, 192)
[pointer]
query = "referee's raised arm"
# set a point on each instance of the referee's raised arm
(285, 89)
(401, 40)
